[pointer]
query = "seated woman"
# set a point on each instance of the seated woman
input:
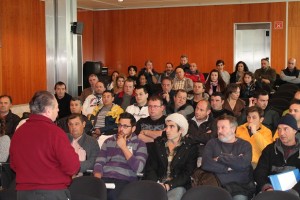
(132, 73)
(240, 68)
(233, 103)
(120, 80)
(172, 158)
(248, 85)
(113, 80)
(214, 82)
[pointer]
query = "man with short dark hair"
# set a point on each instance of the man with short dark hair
(85, 146)
(184, 63)
(216, 102)
(169, 72)
(63, 99)
(41, 154)
(167, 94)
(152, 127)
(139, 109)
(11, 120)
(126, 97)
(121, 157)
(76, 108)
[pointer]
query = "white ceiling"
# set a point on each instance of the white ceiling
(135, 4)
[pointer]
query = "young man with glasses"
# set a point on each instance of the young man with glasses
(121, 157)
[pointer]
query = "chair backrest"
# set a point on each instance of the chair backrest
(288, 87)
(88, 187)
(276, 195)
(206, 192)
(143, 190)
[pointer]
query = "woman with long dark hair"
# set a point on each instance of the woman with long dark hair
(214, 82)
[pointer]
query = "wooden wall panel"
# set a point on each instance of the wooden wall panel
(294, 30)
(88, 33)
(205, 34)
(23, 49)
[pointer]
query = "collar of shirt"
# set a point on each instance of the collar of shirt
(199, 123)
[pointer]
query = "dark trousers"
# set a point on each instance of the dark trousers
(113, 194)
(43, 195)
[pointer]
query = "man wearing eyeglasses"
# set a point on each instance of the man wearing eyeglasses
(152, 127)
(121, 157)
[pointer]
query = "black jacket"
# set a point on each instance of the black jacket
(182, 165)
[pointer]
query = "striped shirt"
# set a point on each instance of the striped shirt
(111, 162)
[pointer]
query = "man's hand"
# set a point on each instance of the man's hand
(121, 140)
(252, 127)
(98, 175)
(166, 96)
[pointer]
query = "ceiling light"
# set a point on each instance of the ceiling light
(120, 0)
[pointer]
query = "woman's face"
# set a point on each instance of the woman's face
(120, 82)
(114, 76)
(247, 79)
(214, 76)
(132, 72)
(235, 94)
(240, 67)
(143, 80)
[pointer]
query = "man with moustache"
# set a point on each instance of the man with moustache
(229, 158)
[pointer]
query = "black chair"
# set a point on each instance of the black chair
(288, 87)
(206, 192)
(288, 95)
(10, 193)
(143, 190)
(276, 195)
(280, 104)
(88, 188)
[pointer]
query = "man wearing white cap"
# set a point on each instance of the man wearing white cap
(172, 159)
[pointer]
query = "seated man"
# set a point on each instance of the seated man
(105, 117)
(11, 119)
(280, 156)
(172, 159)
(76, 108)
(121, 157)
(181, 82)
(139, 109)
(63, 99)
(84, 145)
(198, 94)
(229, 158)
(126, 97)
(152, 127)
(216, 102)
(266, 75)
(202, 127)
(180, 105)
(255, 132)
(93, 79)
(169, 72)
(194, 74)
(271, 116)
(167, 94)
(290, 74)
(94, 99)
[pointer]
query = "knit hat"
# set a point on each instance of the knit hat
(289, 120)
(180, 120)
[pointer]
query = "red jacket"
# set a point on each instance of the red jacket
(42, 156)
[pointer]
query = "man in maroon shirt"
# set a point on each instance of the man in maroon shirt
(41, 154)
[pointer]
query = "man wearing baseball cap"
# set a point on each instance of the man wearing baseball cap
(279, 156)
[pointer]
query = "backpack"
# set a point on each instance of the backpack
(202, 177)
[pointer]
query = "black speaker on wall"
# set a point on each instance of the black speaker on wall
(77, 28)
